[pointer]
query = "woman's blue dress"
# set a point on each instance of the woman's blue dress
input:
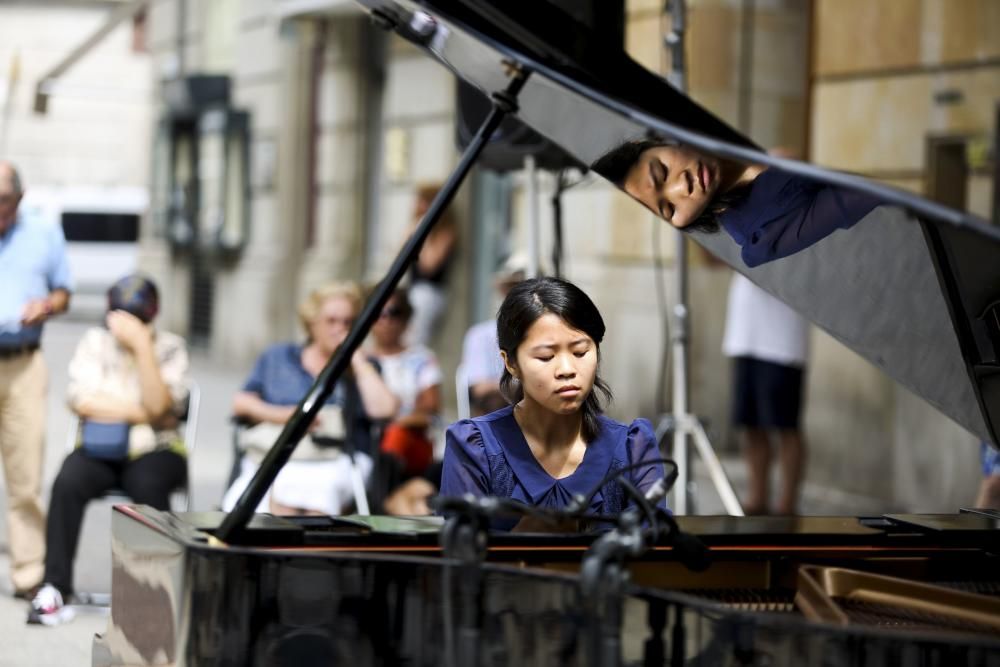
(784, 213)
(489, 456)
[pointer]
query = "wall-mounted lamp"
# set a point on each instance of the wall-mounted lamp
(223, 176)
(201, 185)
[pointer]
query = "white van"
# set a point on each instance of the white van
(101, 226)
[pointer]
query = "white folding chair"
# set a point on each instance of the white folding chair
(462, 392)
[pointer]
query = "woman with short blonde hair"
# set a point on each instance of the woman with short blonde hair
(317, 479)
(310, 307)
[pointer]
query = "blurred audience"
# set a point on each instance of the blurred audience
(127, 384)
(413, 375)
(429, 274)
(481, 360)
(483, 370)
(35, 284)
(317, 479)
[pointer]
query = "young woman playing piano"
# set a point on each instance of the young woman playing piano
(552, 444)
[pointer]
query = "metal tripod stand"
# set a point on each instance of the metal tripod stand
(684, 426)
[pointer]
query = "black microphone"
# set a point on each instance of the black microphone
(689, 549)
(661, 487)
(657, 492)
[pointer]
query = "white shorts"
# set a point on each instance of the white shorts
(321, 486)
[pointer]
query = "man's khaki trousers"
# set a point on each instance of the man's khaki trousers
(23, 385)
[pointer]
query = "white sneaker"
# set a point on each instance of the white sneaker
(47, 607)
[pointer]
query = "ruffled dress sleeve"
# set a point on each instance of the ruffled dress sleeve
(465, 468)
(642, 449)
(786, 213)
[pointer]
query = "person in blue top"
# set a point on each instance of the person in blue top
(552, 443)
(317, 479)
(34, 285)
(769, 212)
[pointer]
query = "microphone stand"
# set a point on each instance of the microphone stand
(233, 526)
(464, 539)
(604, 577)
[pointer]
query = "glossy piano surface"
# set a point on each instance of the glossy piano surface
(324, 591)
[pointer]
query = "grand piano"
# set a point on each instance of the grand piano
(912, 286)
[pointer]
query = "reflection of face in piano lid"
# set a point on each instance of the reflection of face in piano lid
(678, 183)
(674, 182)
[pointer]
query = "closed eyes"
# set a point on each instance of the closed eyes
(578, 354)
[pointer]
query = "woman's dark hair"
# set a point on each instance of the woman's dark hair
(525, 303)
(616, 163)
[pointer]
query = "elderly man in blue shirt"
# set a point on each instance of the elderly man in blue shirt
(34, 285)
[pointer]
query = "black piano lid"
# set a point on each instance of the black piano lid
(914, 287)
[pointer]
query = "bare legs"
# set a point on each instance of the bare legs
(791, 459)
(989, 492)
(757, 451)
(278, 509)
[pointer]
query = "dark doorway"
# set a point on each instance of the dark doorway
(947, 171)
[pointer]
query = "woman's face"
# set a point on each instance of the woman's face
(390, 326)
(556, 365)
(674, 182)
(332, 323)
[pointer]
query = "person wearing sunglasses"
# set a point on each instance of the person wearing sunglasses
(412, 373)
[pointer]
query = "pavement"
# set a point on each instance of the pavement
(70, 644)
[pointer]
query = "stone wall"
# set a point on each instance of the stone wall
(878, 73)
